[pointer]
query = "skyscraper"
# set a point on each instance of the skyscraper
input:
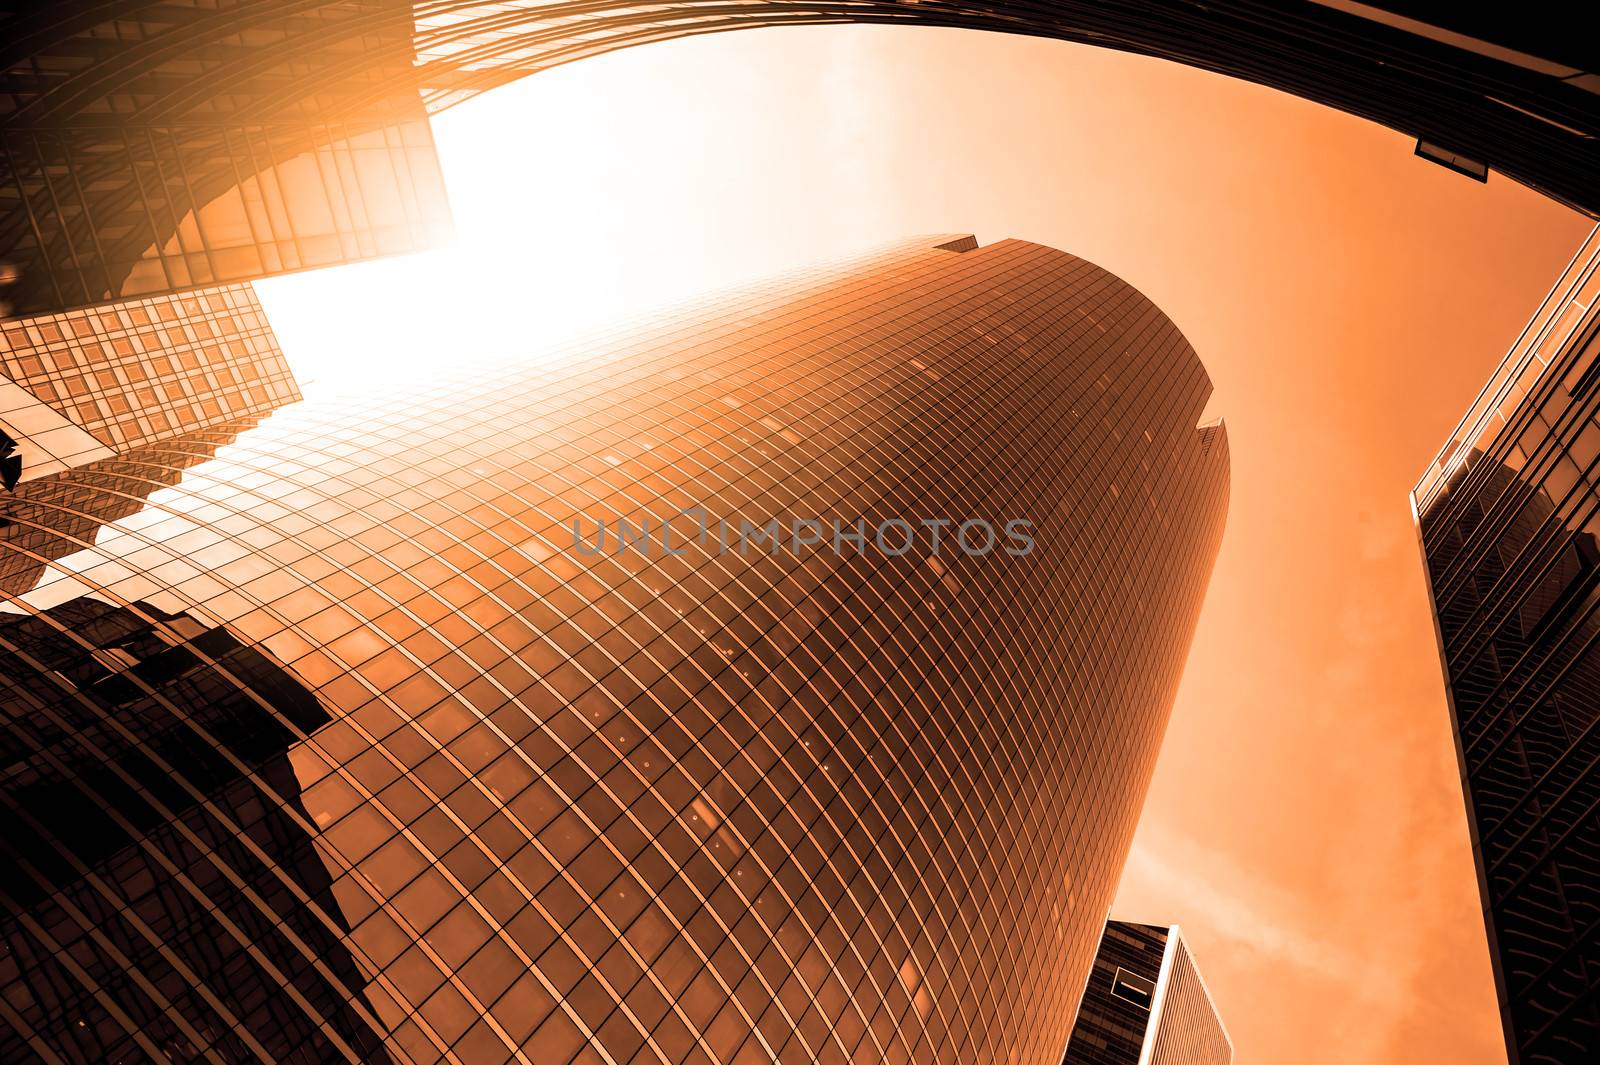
(91, 384)
(150, 147)
(101, 406)
(1146, 1004)
(153, 908)
(1508, 515)
(829, 748)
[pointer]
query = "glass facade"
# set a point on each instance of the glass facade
(155, 148)
(1508, 517)
(100, 407)
(701, 799)
(1119, 996)
(1146, 1004)
(148, 148)
(136, 743)
(131, 374)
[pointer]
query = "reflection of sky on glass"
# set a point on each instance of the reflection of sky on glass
(1306, 825)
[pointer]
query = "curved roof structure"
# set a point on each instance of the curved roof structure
(152, 147)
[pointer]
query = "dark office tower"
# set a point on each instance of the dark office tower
(151, 146)
(1508, 517)
(802, 786)
(1146, 1004)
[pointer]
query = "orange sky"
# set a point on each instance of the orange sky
(1305, 825)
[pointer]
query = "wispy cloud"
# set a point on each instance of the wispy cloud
(1244, 919)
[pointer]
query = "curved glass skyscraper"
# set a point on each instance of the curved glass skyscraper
(359, 740)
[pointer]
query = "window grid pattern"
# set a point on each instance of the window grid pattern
(1510, 540)
(106, 709)
(1188, 1030)
(153, 147)
(48, 442)
(156, 148)
(136, 372)
(721, 807)
(50, 517)
(1110, 1029)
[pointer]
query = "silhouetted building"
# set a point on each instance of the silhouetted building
(1146, 1004)
(831, 749)
(155, 147)
(1508, 516)
(161, 897)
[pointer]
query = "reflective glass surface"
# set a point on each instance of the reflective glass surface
(1146, 1004)
(717, 805)
(1509, 532)
(132, 373)
(1114, 1017)
(154, 147)
(151, 148)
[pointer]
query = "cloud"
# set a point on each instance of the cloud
(1235, 913)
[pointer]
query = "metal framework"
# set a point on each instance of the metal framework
(151, 147)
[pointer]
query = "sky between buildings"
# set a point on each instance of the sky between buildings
(1306, 824)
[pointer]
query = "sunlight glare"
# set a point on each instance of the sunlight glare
(581, 195)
